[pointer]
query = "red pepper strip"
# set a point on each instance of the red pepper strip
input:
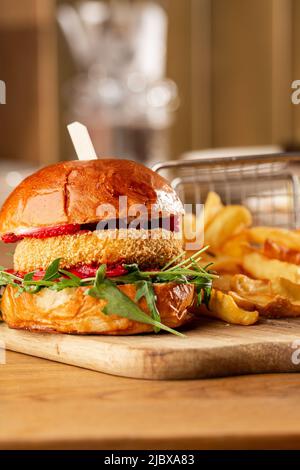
(38, 275)
(11, 238)
(91, 271)
(82, 272)
(42, 233)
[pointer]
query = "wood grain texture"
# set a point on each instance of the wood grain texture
(282, 67)
(201, 75)
(28, 64)
(296, 67)
(242, 64)
(46, 405)
(211, 349)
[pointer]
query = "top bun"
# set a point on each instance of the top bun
(70, 193)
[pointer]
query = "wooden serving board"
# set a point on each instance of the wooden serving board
(211, 349)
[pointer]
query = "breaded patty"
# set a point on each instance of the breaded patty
(152, 248)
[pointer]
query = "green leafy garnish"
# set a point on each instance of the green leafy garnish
(8, 278)
(29, 276)
(199, 296)
(120, 304)
(186, 271)
(145, 289)
(100, 276)
(52, 271)
(71, 276)
(206, 295)
(133, 275)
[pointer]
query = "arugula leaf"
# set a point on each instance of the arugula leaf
(132, 268)
(72, 276)
(170, 263)
(100, 276)
(206, 296)
(120, 304)
(134, 275)
(199, 296)
(186, 271)
(40, 283)
(4, 280)
(7, 278)
(63, 284)
(52, 271)
(145, 289)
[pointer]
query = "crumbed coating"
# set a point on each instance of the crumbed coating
(147, 248)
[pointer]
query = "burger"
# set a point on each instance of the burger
(99, 251)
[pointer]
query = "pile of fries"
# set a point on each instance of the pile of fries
(258, 267)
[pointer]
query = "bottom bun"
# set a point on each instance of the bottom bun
(70, 311)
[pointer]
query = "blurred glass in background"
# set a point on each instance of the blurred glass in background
(120, 89)
(152, 79)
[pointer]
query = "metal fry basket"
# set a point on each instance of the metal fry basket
(268, 185)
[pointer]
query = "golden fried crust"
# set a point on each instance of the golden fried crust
(142, 247)
(72, 192)
(70, 311)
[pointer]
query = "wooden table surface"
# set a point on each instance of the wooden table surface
(46, 405)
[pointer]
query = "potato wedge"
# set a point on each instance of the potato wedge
(212, 206)
(288, 238)
(223, 307)
(242, 302)
(278, 298)
(244, 285)
(237, 245)
(229, 221)
(222, 263)
(269, 306)
(261, 267)
(223, 282)
(276, 251)
(286, 288)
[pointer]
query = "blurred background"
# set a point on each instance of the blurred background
(151, 80)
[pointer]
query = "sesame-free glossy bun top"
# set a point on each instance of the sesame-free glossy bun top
(71, 193)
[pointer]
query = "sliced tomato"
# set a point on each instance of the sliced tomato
(38, 275)
(41, 233)
(86, 271)
(116, 271)
(11, 238)
(172, 224)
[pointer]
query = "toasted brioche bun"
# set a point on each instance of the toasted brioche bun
(147, 249)
(70, 311)
(71, 193)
